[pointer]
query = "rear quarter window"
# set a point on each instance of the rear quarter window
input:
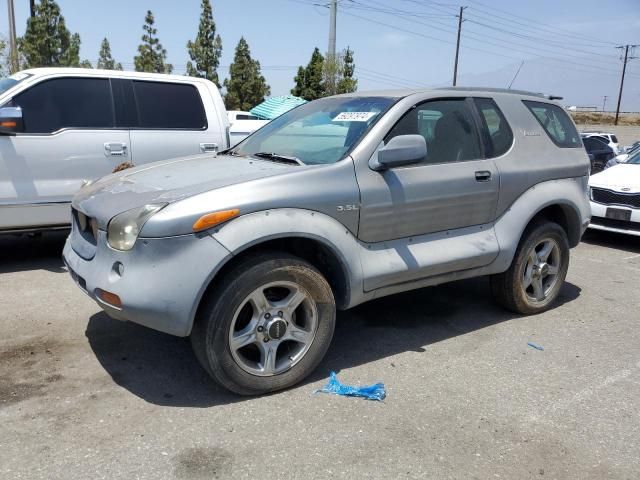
(163, 105)
(556, 123)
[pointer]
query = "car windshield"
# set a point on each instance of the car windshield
(634, 159)
(13, 80)
(319, 132)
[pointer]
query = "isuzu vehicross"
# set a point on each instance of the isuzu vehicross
(334, 203)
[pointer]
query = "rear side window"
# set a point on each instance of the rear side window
(446, 125)
(556, 123)
(614, 139)
(61, 103)
(164, 105)
(497, 129)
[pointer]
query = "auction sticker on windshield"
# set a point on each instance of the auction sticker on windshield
(354, 116)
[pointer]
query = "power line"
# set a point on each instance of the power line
(504, 44)
(535, 51)
(540, 26)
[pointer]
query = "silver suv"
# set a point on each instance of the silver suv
(336, 202)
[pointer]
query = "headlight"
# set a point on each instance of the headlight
(125, 227)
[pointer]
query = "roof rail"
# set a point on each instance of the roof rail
(503, 90)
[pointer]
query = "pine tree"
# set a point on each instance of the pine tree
(309, 81)
(152, 56)
(47, 42)
(246, 87)
(347, 83)
(206, 50)
(105, 59)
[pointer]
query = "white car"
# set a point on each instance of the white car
(615, 198)
(610, 138)
(242, 124)
(63, 127)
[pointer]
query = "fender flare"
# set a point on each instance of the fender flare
(260, 227)
(568, 194)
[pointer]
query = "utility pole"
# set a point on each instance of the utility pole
(455, 65)
(604, 101)
(13, 52)
(627, 58)
(333, 6)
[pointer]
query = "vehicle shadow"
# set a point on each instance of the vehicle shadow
(618, 241)
(20, 253)
(162, 369)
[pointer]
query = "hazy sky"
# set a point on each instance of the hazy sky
(568, 46)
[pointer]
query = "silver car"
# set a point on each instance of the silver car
(337, 202)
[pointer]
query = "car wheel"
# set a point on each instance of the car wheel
(267, 326)
(537, 273)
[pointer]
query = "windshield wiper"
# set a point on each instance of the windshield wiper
(276, 157)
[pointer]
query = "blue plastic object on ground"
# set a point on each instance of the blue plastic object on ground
(537, 347)
(370, 392)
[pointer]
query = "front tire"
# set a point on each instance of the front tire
(533, 281)
(267, 326)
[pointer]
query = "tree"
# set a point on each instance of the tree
(4, 58)
(347, 83)
(47, 41)
(309, 80)
(206, 50)
(152, 56)
(105, 60)
(246, 87)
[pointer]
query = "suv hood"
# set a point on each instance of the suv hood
(169, 181)
(618, 177)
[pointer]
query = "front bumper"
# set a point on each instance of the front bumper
(161, 280)
(599, 221)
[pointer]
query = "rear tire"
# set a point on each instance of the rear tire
(266, 326)
(533, 281)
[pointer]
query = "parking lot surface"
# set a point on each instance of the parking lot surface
(83, 396)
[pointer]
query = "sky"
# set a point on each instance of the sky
(567, 46)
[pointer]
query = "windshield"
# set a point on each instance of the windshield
(634, 159)
(8, 82)
(318, 132)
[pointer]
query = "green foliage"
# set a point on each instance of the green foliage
(47, 42)
(310, 80)
(347, 83)
(105, 60)
(4, 58)
(152, 57)
(246, 87)
(206, 50)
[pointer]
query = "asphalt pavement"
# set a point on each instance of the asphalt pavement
(86, 397)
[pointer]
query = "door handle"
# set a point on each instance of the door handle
(209, 147)
(483, 176)
(115, 149)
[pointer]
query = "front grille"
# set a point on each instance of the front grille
(611, 223)
(615, 198)
(87, 227)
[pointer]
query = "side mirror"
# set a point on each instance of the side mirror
(11, 120)
(401, 150)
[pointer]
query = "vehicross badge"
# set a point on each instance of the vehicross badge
(347, 208)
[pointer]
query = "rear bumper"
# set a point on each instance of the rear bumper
(161, 280)
(600, 222)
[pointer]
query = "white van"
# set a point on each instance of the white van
(63, 127)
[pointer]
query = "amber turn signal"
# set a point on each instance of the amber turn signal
(108, 297)
(8, 124)
(215, 218)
